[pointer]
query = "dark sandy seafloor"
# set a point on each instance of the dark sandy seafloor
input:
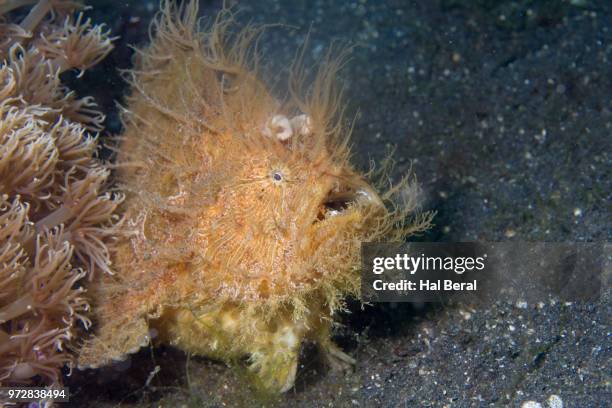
(504, 110)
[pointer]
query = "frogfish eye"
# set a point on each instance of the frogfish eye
(277, 176)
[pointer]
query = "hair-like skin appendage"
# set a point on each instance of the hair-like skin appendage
(247, 216)
(57, 220)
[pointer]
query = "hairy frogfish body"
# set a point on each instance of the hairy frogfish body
(246, 214)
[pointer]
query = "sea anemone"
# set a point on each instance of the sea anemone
(57, 216)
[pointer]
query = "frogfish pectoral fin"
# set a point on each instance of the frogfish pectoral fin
(275, 371)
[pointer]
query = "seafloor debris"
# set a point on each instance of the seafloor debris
(56, 217)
